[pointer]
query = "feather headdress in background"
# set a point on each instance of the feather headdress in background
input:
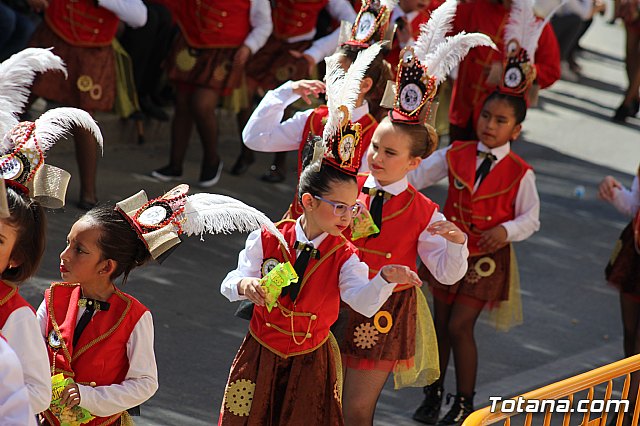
(426, 64)
(160, 222)
(371, 24)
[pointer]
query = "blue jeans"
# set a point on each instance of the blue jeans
(15, 31)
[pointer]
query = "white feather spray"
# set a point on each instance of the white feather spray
(58, 122)
(525, 27)
(214, 214)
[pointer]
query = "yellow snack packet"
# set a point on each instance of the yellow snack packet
(363, 225)
(280, 276)
(73, 416)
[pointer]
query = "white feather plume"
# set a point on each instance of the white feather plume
(7, 120)
(524, 27)
(58, 122)
(17, 74)
(344, 88)
(452, 51)
(389, 4)
(214, 214)
(433, 33)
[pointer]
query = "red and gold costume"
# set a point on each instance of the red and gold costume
(10, 300)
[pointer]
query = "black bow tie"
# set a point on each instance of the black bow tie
(487, 154)
(485, 166)
(307, 251)
(376, 205)
(93, 304)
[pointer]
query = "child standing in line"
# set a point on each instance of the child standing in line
(31, 184)
(287, 370)
(14, 400)
(265, 132)
(493, 198)
(400, 337)
(217, 38)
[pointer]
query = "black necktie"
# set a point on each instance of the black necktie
(376, 205)
(485, 166)
(90, 306)
(307, 251)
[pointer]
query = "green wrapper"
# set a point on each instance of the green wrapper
(363, 225)
(74, 416)
(280, 276)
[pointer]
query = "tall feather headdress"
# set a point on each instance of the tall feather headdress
(23, 151)
(426, 64)
(341, 137)
(521, 35)
(371, 24)
(160, 222)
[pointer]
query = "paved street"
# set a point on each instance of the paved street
(571, 317)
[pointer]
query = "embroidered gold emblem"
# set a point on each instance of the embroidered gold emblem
(480, 269)
(239, 396)
(388, 321)
(84, 83)
(185, 60)
(365, 336)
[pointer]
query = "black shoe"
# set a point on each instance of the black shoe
(623, 112)
(242, 164)
(152, 110)
(429, 410)
(210, 175)
(167, 174)
(274, 175)
(459, 411)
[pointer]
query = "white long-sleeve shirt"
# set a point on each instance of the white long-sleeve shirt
(527, 206)
(141, 380)
(446, 260)
(627, 201)
(23, 335)
(363, 295)
(261, 25)
(341, 10)
(14, 400)
(266, 132)
(131, 12)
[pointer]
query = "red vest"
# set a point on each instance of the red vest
(101, 355)
(300, 327)
(293, 18)
(494, 201)
(81, 22)
(10, 300)
(314, 127)
(404, 218)
(210, 24)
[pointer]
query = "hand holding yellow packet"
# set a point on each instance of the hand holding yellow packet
(363, 225)
(280, 276)
(73, 416)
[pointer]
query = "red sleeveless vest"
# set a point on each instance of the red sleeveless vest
(404, 218)
(314, 127)
(210, 24)
(101, 355)
(293, 18)
(10, 300)
(494, 201)
(81, 22)
(300, 327)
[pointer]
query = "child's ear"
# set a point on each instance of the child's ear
(516, 132)
(108, 267)
(308, 202)
(14, 262)
(414, 162)
(366, 84)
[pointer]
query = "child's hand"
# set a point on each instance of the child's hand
(400, 274)
(304, 88)
(70, 396)
(493, 239)
(251, 288)
(608, 189)
(241, 57)
(448, 231)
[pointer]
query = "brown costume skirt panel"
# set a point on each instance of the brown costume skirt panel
(623, 270)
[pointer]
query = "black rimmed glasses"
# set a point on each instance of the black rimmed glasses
(341, 209)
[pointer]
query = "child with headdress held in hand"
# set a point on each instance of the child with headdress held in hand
(400, 225)
(100, 336)
(493, 198)
(30, 185)
(289, 363)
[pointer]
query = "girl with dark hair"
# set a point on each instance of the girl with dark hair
(266, 132)
(289, 363)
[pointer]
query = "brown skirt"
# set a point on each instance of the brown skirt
(91, 82)
(390, 335)
(208, 68)
(273, 64)
(486, 280)
(623, 270)
(265, 389)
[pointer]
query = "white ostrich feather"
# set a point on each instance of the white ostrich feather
(524, 27)
(7, 120)
(214, 214)
(433, 33)
(17, 74)
(344, 88)
(389, 4)
(451, 51)
(58, 122)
